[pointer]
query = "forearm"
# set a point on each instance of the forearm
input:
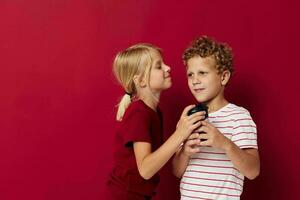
(246, 161)
(180, 163)
(152, 163)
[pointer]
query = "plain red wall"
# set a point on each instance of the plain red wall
(58, 95)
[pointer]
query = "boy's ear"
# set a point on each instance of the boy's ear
(138, 81)
(225, 77)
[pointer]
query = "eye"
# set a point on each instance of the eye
(158, 66)
(202, 72)
(190, 75)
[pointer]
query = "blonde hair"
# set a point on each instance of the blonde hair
(135, 60)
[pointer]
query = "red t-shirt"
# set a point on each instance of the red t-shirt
(139, 124)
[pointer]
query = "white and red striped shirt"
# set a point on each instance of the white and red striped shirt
(210, 174)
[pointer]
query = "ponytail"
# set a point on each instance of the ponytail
(122, 106)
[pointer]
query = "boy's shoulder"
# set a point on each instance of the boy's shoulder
(241, 117)
(237, 109)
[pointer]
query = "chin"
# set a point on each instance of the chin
(201, 99)
(169, 85)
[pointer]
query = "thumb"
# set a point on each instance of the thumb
(186, 110)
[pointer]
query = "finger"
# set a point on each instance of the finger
(195, 150)
(201, 113)
(206, 129)
(203, 129)
(193, 136)
(186, 110)
(193, 142)
(206, 123)
(199, 129)
(205, 143)
(203, 136)
(198, 114)
(196, 119)
(196, 125)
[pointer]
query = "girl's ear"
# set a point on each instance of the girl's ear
(225, 77)
(138, 81)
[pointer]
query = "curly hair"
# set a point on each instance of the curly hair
(205, 47)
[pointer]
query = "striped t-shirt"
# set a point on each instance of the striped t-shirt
(210, 174)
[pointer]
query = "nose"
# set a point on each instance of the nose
(167, 69)
(196, 80)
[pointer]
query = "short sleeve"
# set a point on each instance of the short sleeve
(244, 131)
(136, 127)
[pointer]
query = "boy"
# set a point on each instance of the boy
(214, 159)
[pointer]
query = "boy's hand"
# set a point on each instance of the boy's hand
(213, 136)
(187, 124)
(191, 145)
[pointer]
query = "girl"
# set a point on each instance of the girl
(139, 148)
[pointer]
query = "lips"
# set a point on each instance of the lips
(198, 90)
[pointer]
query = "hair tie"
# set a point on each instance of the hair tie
(128, 93)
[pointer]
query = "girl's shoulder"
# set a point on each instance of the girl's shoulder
(137, 107)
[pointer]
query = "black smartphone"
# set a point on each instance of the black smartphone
(199, 107)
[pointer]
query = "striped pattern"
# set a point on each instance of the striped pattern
(210, 174)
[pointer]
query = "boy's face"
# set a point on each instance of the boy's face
(204, 81)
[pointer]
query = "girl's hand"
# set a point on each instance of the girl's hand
(187, 124)
(213, 136)
(192, 145)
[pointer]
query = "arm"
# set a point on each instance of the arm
(149, 162)
(244, 160)
(182, 157)
(180, 163)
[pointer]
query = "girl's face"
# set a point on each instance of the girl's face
(204, 80)
(160, 78)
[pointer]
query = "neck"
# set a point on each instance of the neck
(216, 103)
(150, 99)
(152, 103)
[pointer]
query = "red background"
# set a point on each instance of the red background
(58, 95)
